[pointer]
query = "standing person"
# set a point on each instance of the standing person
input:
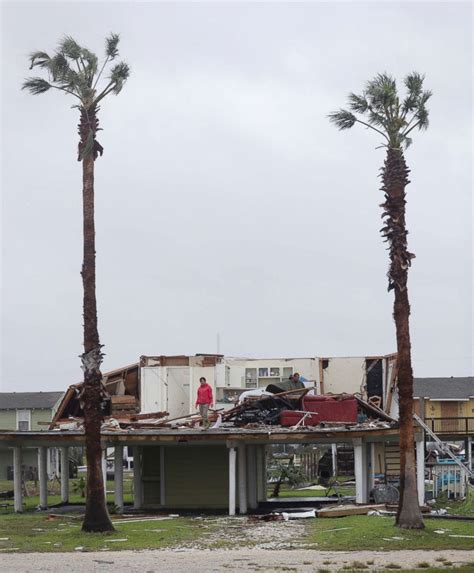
(204, 400)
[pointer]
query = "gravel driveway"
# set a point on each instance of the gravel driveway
(190, 561)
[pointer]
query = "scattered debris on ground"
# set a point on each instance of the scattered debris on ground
(346, 510)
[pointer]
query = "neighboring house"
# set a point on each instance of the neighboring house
(446, 404)
(24, 412)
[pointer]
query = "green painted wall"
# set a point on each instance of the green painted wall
(7, 419)
(6, 459)
(151, 476)
(40, 416)
(30, 456)
(195, 476)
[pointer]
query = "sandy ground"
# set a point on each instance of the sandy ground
(190, 561)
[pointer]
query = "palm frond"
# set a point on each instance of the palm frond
(406, 141)
(414, 83)
(36, 85)
(119, 75)
(381, 92)
(59, 67)
(70, 48)
(40, 59)
(425, 96)
(91, 66)
(378, 119)
(111, 46)
(358, 104)
(423, 118)
(342, 119)
(90, 59)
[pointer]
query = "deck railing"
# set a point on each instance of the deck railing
(463, 425)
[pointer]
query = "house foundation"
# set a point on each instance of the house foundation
(201, 469)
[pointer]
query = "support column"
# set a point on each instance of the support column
(371, 468)
(43, 477)
(17, 489)
(334, 459)
(64, 474)
(242, 468)
(232, 476)
(264, 473)
(469, 453)
(137, 478)
(259, 455)
(118, 478)
(360, 469)
(420, 469)
(252, 476)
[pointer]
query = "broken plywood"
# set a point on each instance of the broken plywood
(346, 510)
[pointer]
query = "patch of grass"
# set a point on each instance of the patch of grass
(362, 532)
(33, 532)
(358, 565)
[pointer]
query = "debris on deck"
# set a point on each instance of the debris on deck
(294, 409)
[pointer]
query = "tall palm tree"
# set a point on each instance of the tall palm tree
(76, 71)
(394, 120)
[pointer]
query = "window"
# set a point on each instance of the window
(287, 372)
(262, 372)
(23, 420)
(275, 372)
(250, 377)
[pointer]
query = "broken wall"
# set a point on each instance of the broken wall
(343, 375)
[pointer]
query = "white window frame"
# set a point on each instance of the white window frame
(23, 416)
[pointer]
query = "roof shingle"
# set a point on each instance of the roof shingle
(28, 400)
(444, 388)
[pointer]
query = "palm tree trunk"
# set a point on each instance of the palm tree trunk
(395, 179)
(96, 516)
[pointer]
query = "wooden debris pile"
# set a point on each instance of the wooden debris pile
(294, 409)
(265, 410)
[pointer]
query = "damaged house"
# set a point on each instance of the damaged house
(149, 410)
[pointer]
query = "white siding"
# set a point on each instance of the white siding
(344, 375)
(153, 389)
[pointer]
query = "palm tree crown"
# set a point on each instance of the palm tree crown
(384, 112)
(76, 71)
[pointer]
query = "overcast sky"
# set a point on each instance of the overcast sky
(225, 201)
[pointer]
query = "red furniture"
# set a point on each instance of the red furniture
(323, 409)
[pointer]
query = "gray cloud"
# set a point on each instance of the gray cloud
(226, 202)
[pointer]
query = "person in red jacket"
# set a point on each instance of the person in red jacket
(204, 400)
